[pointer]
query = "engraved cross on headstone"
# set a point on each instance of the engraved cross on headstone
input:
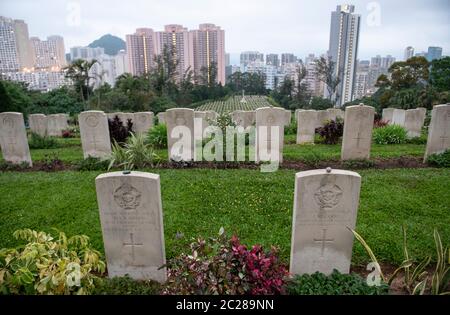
(323, 240)
(358, 138)
(132, 244)
(94, 141)
(11, 143)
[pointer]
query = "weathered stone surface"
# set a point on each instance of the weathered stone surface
(288, 117)
(306, 125)
(439, 130)
(243, 118)
(414, 119)
(180, 133)
(53, 126)
(388, 114)
(63, 122)
(38, 124)
(161, 119)
(132, 224)
(334, 113)
(325, 206)
(398, 117)
(322, 117)
(94, 134)
(143, 122)
(269, 122)
(357, 139)
(13, 138)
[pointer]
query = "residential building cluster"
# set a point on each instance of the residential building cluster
(30, 59)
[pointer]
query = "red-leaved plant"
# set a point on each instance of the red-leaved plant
(225, 266)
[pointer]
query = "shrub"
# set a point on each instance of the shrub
(224, 266)
(9, 166)
(135, 153)
(47, 265)
(67, 134)
(92, 164)
(40, 142)
(119, 132)
(125, 285)
(331, 131)
(51, 163)
(378, 123)
(334, 284)
(291, 129)
(391, 134)
(422, 139)
(440, 160)
(157, 136)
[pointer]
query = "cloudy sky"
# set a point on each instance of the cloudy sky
(269, 26)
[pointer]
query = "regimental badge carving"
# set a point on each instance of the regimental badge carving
(92, 121)
(8, 123)
(328, 196)
(180, 121)
(127, 197)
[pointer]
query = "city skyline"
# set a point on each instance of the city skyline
(243, 22)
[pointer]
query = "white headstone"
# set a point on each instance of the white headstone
(288, 117)
(143, 122)
(132, 224)
(63, 123)
(53, 126)
(180, 133)
(357, 139)
(94, 133)
(13, 138)
(388, 114)
(439, 130)
(269, 122)
(243, 118)
(398, 117)
(325, 206)
(323, 117)
(38, 124)
(414, 119)
(161, 119)
(306, 126)
(335, 113)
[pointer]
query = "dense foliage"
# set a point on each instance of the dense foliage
(125, 286)
(39, 142)
(119, 131)
(390, 134)
(157, 136)
(440, 160)
(48, 265)
(225, 266)
(334, 284)
(332, 131)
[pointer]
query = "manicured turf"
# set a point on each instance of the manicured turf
(70, 151)
(256, 206)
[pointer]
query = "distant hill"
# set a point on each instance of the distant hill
(112, 44)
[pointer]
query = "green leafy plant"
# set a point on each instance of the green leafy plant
(334, 284)
(9, 166)
(356, 164)
(40, 142)
(51, 162)
(157, 136)
(92, 164)
(125, 285)
(415, 275)
(440, 160)
(119, 131)
(136, 153)
(390, 134)
(291, 129)
(48, 265)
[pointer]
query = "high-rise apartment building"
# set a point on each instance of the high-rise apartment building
(434, 53)
(49, 54)
(362, 79)
(272, 59)
(209, 48)
(288, 58)
(121, 60)
(409, 52)
(247, 57)
(141, 50)
(179, 41)
(343, 50)
(16, 53)
(86, 53)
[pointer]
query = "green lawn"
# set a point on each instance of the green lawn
(256, 206)
(70, 151)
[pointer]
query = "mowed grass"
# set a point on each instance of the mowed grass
(70, 151)
(256, 206)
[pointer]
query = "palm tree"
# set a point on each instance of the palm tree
(78, 72)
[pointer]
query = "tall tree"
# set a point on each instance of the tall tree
(440, 74)
(330, 75)
(78, 72)
(410, 73)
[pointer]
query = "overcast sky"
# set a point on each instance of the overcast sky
(269, 26)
